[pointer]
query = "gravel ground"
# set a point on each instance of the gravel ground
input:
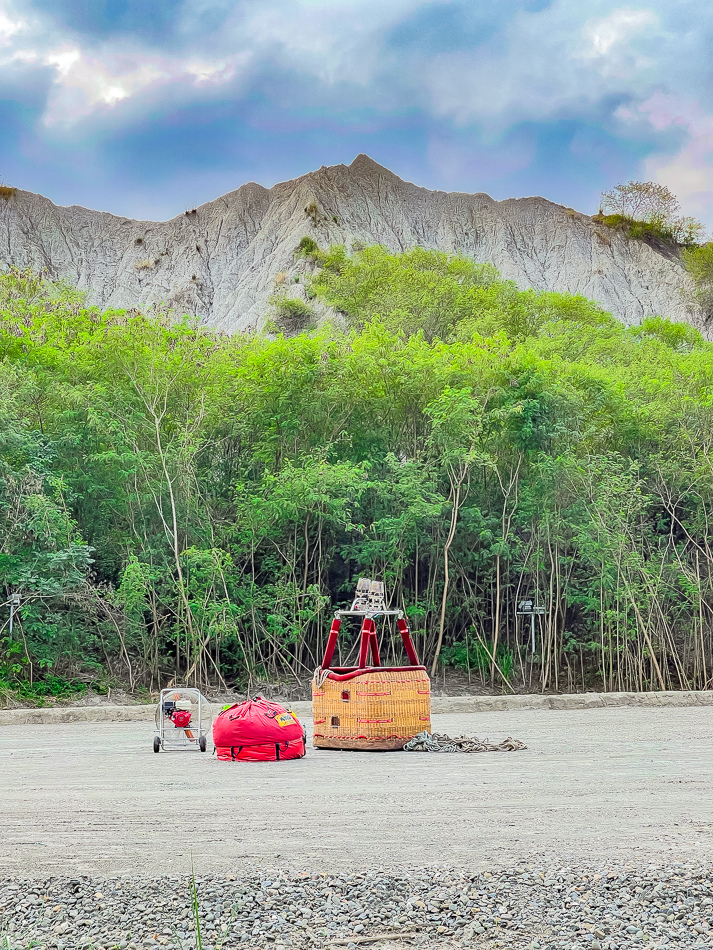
(596, 908)
(594, 786)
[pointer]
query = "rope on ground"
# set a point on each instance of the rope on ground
(438, 742)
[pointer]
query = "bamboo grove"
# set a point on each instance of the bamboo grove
(180, 504)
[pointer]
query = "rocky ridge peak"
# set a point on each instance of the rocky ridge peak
(221, 261)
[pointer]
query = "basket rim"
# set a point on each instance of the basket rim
(341, 673)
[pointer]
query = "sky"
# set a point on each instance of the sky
(147, 107)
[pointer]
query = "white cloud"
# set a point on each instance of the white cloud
(10, 24)
(556, 62)
(338, 41)
(83, 82)
(217, 72)
(618, 26)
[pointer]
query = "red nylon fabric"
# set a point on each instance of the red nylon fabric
(258, 730)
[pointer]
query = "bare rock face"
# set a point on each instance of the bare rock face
(221, 261)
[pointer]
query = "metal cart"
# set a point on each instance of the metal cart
(182, 720)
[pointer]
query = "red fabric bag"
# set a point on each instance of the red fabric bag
(257, 730)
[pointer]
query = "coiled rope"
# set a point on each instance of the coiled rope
(438, 742)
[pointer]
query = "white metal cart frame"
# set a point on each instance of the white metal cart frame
(173, 738)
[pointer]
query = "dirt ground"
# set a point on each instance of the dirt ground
(599, 786)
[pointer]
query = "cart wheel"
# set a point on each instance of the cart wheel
(202, 743)
(156, 744)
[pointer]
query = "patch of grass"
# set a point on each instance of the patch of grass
(6, 192)
(146, 264)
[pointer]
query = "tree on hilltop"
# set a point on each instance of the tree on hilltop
(655, 206)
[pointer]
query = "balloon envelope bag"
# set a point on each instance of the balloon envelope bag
(182, 720)
(257, 730)
(369, 706)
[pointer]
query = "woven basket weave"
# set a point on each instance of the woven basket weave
(375, 710)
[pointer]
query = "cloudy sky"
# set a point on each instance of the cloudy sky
(147, 107)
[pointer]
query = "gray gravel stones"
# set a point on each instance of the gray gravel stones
(533, 908)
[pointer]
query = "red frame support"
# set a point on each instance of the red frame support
(331, 643)
(408, 642)
(368, 643)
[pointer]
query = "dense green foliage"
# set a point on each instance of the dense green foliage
(177, 502)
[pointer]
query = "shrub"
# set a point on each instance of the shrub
(6, 192)
(146, 264)
(307, 247)
(312, 211)
(698, 262)
(292, 315)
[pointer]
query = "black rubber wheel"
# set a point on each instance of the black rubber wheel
(202, 744)
(156, 744)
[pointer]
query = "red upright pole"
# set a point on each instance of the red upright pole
(331, 643)
(366, 629)
(408, 642)
(374, 644)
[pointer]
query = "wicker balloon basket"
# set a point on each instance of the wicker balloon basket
(369, 706)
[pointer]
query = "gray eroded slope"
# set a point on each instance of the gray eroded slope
(220, 262)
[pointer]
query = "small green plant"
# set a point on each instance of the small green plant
(194, 908)
(195, 914)
(312, 212)
(6, 192)
(307, 247)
